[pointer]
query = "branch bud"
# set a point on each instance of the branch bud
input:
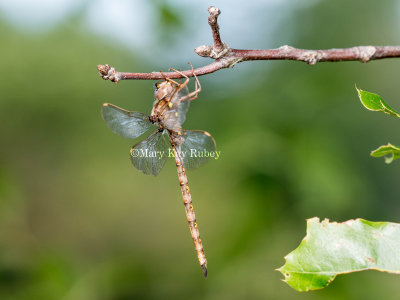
(107, 72)
(213, 11)
(204, 50)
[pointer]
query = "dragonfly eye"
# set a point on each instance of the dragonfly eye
(158, 84)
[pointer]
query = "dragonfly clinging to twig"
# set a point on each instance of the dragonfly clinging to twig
(171, 104)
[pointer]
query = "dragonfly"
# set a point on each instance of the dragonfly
(171, 103)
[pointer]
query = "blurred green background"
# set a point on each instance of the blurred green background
(77, 221)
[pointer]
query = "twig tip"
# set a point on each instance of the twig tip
(103, 69)
(214, 11)
(107, 72)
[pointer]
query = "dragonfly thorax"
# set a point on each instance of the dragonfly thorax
(161, 112)
(170, 106)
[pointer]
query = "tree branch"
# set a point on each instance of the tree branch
(226, 57)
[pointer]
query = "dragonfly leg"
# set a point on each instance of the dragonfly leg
(169, 79)
(182, 85)
(193, 95)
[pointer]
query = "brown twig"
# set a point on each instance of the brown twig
(226, 57)
(213, 22)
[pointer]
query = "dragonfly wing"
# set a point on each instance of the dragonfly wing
(149, 155)
(129, 124)
(198, 148)
(182, 107)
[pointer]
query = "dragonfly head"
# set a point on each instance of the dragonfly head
(163, 89)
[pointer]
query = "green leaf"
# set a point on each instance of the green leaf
(330, 249)
(388, 149)
(374, 102)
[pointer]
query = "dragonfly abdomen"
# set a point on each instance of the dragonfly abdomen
(190, 214)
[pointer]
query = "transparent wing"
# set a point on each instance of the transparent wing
(129, 124)
(176, 115)
(149, 155)
(197, 149)
(181, 104)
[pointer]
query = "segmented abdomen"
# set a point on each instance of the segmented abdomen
(190, 215)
